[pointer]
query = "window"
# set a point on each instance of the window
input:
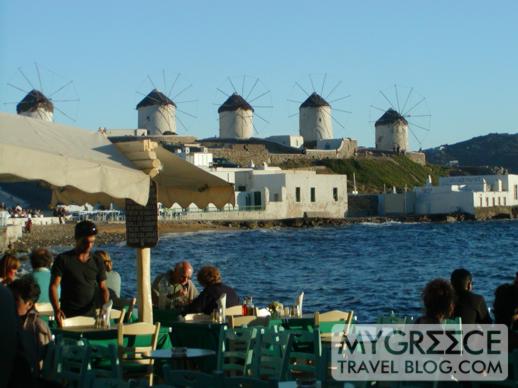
(241, 188)
(480, 203)
(297, 194)
(499, 201)
(335, 193)
(313, 194)
(276, 197)
(505, 201)
(487, 202)
(493, 201)
(515, 191)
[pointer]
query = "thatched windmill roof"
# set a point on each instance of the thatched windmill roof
(233, 103)
(314, 101)
(390, 117)
(34, 100)
(155, 97)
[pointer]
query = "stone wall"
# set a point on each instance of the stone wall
(243, 154)
(417, 157)
(362, 205)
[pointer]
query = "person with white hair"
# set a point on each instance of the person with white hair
(174, 288)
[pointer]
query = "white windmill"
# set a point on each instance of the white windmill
(236, 114)
(41, 102)
(403, 116)
(158, 112)
(316, 113)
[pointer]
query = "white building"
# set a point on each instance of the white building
(293, 141)
(315, 120)
(198, 158)
(269, 193)
(157, 113)
(36, 105)
(236, 118)
(391, 132)
(463, 194)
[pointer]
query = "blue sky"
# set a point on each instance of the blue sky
(462, 56)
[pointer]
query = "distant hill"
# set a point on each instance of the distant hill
(374, 174)
(32, 194)
(495, 149)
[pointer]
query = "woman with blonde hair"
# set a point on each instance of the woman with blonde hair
(209, 278)
(9, 265)
(113, 278)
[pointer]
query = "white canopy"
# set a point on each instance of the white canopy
(84, 166)
(67, 157)
(182, 182)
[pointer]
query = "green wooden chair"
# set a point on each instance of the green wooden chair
(49, 368)
(269, 354)
(303, 356)
(110, 383)
(132, 352)
(248, 382)
(190, 379)
(104, 362)
(392, 319)
(73, 365)
(236, 351)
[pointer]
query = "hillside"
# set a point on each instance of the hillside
(375, 173)
(495, 149)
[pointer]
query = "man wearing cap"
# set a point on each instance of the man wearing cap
(81, 277)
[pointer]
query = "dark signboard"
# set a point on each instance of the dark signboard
(142, 221)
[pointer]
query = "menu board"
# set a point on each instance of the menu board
(142, 221)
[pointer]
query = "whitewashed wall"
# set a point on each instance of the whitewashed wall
(236, 124)
(40, 113)
(157, 119)
(392, 135)
(287, 140)
(444, 202)
(315, 123)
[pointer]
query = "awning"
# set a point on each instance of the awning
(79, 162)
(182, 182)
(83, 166)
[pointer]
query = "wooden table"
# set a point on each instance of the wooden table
(87, 332)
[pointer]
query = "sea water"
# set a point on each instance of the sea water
(372, 269)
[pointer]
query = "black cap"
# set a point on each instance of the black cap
(85, 229)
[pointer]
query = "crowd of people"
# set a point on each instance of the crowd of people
(443, 299)
(80, 280)
(19, 212)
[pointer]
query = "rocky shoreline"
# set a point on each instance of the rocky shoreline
(110, 233)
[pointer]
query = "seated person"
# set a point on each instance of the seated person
(210, 278)
(438, 298)
(8, 339)
(113, 278)
(41, 261)
(174, 288)
(9, 265)
(35, 334)
(506, 311)
(470, 307)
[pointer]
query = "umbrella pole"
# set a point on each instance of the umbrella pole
(145, 308)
